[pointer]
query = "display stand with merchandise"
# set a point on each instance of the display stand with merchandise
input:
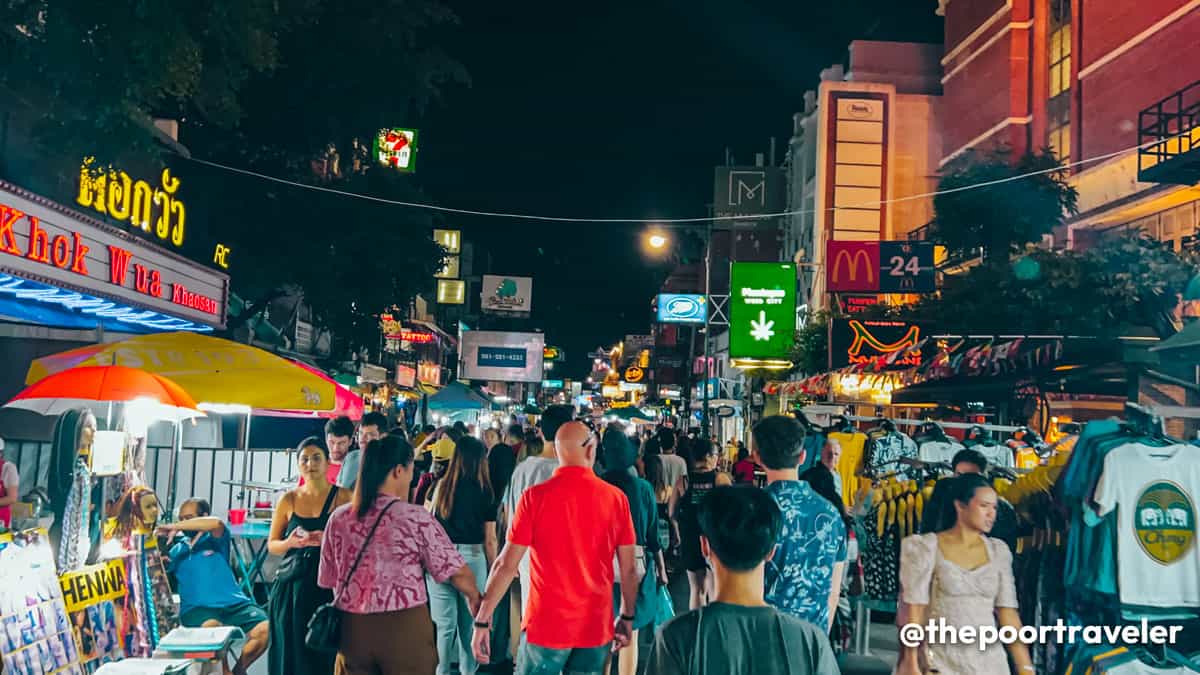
(36, 636)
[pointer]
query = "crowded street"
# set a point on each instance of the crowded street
(453, 337)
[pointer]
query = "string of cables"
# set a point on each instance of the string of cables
(661, 221)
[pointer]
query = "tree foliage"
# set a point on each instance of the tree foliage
(810, 353)
(1006, 213)
(267, 85)
(1125, 281)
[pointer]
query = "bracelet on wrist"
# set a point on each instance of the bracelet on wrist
(483, 624)
(626, 618)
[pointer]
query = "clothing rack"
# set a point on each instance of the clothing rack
(944, 425)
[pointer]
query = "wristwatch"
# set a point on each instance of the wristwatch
(626, 618)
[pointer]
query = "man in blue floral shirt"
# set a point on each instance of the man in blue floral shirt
(804, 577)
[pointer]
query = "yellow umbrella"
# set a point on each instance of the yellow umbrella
(211, 370)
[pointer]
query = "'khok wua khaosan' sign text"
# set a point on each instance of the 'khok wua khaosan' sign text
(762, 310)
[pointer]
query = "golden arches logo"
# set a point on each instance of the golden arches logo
(846, 259)
(862, 336)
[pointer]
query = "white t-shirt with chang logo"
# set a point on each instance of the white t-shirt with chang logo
(1154, 491)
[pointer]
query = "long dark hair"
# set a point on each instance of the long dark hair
(470, 463)
(378, 459)
(962, 489)
(820, 478)
(652, 463)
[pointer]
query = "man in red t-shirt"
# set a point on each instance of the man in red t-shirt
(573, 523)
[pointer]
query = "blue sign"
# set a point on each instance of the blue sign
(501, 357)
(552, 384)
(680, 308)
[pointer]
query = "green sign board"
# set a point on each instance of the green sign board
(762, 310)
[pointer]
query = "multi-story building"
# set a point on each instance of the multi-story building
(863, 150)
(1092, 81)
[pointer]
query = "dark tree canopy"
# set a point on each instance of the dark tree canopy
(1006, 212)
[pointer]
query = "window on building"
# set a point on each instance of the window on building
(1058, 106)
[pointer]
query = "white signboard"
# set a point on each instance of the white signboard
(50, 244)
(501, 356)
(507, 294)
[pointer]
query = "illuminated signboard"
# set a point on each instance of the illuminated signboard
(45, 242)
(552, 384)
(451, 240)
(499, 356)
(393, 330)
(396, 149)
(762, 310)
(681, 308)
(880, 266)
(114, 193)
(429, 373)
(507, 294)
(634, 374)
(450, 270)
(451, 291)
(853, 341)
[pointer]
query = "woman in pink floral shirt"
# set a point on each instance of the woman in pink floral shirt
(386, 626)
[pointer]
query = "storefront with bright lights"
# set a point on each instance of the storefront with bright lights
(68, 279)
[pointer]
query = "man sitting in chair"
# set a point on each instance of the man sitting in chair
(209, 595)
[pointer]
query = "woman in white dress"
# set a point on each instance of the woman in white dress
(961, 575)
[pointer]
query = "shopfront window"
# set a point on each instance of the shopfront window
(1058, 106)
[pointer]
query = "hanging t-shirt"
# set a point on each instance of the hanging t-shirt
(884, 452)
(848, 466)
(938, 451)
(997, 455)
(1154, 492)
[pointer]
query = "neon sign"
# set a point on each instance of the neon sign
(115, 194)
(862, 337)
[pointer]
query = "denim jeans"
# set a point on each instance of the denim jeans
(535, 660)
(452, 617)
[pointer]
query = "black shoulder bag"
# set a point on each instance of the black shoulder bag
(325, 626)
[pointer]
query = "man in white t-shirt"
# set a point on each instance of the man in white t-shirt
(10, 485)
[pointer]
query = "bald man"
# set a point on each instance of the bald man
(573, 524)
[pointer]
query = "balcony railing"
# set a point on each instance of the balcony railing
(1169, 139)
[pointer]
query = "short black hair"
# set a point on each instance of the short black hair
(460, 427)
(203, 508)
(666, 439)
(554, 417)
(742, 525)
(779, 440)
(515, 430)
(971, 457)
(374, 419)
(455, 432)
(340, 426)
(428, 428)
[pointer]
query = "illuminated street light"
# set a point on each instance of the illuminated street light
(657, 241)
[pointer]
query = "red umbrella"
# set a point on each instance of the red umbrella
(80, 387)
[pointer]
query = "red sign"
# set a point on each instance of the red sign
(419, 337)
(856, 304)
(70, 253)
(852, 266)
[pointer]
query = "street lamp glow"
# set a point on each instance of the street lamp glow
(657, 241)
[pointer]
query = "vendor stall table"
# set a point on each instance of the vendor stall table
(250, 552)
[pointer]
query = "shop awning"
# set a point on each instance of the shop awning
(1188, 338)
(457, 396)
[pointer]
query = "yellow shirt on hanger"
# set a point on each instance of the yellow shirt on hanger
(850, 463)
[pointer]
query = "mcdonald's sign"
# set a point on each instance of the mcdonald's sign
(852, 266)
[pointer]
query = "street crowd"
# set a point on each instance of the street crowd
(546, 549)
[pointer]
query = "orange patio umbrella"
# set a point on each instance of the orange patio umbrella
(88, 385)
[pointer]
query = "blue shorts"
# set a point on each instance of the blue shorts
(245, 616)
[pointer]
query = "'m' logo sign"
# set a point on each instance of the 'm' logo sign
(852, 266)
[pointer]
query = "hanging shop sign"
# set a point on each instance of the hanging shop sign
(670, 392)
(450, 269)
(90, 262)
(852, 190)
(555, 354)
(451, 240)
(748, 191)
(93, 584)
(682, 308)
(857, 304)
(406, 376)
(501, 356)
(883, 345)
(429, 373)
(503, 294)
(552, 384)
(396, 148)
(880, 267)
(114, 193)
(762, 310)
(611, 391)
(634, 374)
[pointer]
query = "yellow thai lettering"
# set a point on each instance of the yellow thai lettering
(115, 193)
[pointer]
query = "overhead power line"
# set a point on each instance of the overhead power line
(658, 221)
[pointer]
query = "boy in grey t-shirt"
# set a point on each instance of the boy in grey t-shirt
(739, 633)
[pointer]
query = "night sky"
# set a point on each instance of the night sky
(622, 111)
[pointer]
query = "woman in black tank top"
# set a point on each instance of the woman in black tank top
(702, 478)
(296, 531)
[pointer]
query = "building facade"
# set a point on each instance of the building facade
(863, 153)
(1091, 81)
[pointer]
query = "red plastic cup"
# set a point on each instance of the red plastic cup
(237, 516)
